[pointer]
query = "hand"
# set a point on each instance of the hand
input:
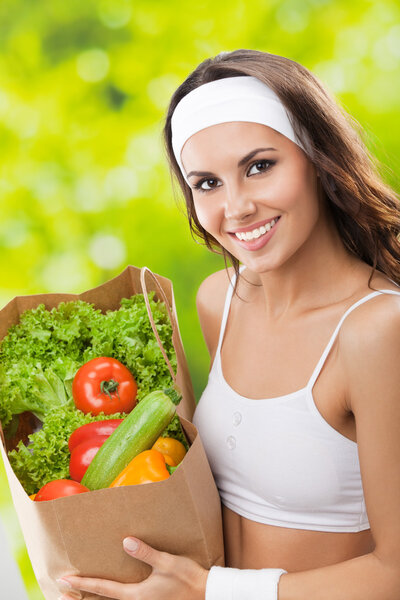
(173, 578)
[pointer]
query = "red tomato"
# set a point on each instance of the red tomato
(59, 488)
(83, 454)
(90, 430)
(104, 385)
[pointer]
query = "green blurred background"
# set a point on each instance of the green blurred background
(84, 86)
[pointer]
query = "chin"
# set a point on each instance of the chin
(258, 267)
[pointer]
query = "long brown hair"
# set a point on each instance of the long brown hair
(366, 211)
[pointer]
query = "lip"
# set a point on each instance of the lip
(257, 243)
(254, 226)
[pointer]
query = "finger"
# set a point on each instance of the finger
(138, 549)
(102, 587)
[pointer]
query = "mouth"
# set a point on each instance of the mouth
(256, 232)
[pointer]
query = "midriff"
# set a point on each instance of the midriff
(252, 545)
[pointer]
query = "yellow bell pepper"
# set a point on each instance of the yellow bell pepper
(169, 460)
(171, 448)
(146, 467)
(32, 496)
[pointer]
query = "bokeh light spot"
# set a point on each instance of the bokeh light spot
(120, 184)
(161, 89)
(65, 272)
(88, 194)
(107, 251)
(383, 58)
(144, 150)
(4, 101)
(23, 119)
(332, 74)
(92, 65)
(351, 43)
(115, 13)
(13, 233)
(393, 40)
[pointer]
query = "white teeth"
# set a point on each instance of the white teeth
(256, 233)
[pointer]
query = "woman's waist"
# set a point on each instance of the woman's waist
(253, 545)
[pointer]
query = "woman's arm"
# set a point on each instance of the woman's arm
(370, 355)
(362, 578)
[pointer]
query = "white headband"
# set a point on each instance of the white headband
(243, 98)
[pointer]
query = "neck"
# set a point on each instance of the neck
(321, 272)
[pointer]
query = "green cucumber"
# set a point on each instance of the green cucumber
(137, 432)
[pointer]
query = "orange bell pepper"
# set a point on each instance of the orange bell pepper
(171, 448)
(146, 467)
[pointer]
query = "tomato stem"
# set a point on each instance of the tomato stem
(109, 386)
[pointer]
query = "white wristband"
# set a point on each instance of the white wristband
(242, 584)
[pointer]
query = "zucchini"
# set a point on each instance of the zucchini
(137, 432)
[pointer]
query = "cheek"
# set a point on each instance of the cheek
(297, 193)
(207, 214)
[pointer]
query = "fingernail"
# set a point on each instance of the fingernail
(130, 544)
(64, 582)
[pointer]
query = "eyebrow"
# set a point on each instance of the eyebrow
(241, 162)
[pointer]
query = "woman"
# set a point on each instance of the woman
(277, 179)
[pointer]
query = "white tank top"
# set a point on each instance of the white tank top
(276, 460)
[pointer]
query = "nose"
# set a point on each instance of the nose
(238, 203)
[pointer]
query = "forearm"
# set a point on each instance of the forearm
(363, 578)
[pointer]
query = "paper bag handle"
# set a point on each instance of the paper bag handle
(143, 272)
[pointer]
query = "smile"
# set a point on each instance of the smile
(258, 232)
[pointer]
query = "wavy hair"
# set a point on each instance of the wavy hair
(365, 210)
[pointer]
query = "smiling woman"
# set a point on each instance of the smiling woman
(364, 209)
(301, 413)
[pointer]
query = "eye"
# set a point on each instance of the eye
(262, 165)
(199, 185)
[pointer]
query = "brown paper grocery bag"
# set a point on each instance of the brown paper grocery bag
(83, 534)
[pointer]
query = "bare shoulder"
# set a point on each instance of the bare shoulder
(210, 300)
(369, 342)
(372, 318)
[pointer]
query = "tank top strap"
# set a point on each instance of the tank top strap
(228, 300)
(325, 353)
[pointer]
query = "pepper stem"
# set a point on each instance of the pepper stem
(109, 386)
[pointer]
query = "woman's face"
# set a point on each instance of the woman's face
(243, 175)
